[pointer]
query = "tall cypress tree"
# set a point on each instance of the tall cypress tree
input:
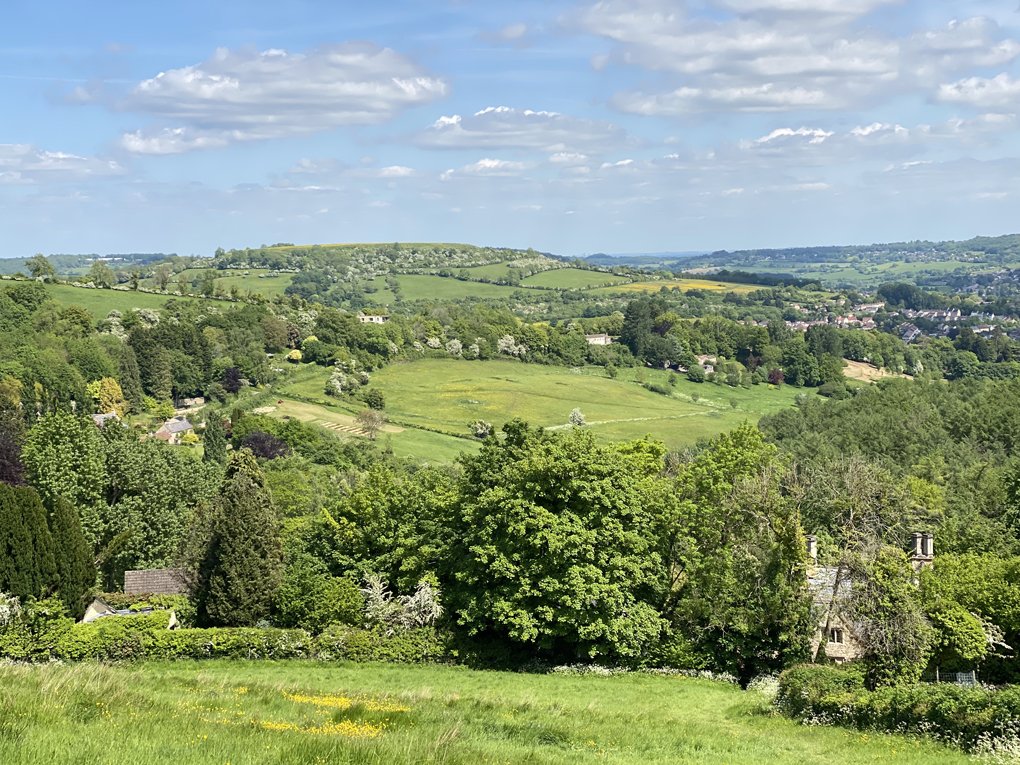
(72, 556)
(241, 566)
(27, 567)
(215, 441)
(130, 379)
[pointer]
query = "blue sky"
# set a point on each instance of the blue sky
(571, 127)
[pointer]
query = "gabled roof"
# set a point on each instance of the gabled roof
(178, 425)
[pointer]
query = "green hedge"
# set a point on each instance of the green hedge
(125, 638)
(406, 647)
(825, 694)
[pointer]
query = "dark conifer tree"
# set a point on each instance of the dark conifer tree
(27, 567)
(12, 434)
(241, 564)
(130, 379)
(72, 556)
(215, 441)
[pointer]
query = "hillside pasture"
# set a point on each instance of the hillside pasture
(100, 302)
(683, 284)
(340, 419)
(257, 280)
(219, 712)
(859, 370)
(572, 278)
(429, 287)
(448, 395)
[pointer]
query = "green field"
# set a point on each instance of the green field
(101, 302)
(247, 713)
(571, 278)
(256, 280)
(684, 284)
(450, 394)
(405, 442)
(426, 287)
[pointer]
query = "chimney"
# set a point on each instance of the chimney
(812, 548)
(923, 550)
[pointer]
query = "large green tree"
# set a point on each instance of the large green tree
(733, 576)
(552, 544)
(239, 565)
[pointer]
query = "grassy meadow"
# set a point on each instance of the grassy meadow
(428, 287)
(449, 394)
(292, 712)
(101, 302)
(571, 278)
(256, 280)
(405, 442)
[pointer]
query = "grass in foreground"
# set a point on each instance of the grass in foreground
(291, 712)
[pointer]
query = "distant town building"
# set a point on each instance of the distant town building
(372, 318)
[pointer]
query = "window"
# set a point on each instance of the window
(836, 636)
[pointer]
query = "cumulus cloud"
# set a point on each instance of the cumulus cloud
(504, 127)
(488, 167)
(245, 95)
(27, 164)
(779, 55)
(1001, 93)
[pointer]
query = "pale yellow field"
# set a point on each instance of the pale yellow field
(858, 370)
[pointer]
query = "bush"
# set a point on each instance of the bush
(696, 374)
(968, 716)
(416, 646)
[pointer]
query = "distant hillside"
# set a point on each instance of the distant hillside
(982, 248)
(642, 259)
(78, 264)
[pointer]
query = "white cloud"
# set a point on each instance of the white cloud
(396, 171)
(504, 127)
(22, 164)
(494, 167)
(245, 95)
(779, 55)
(1001, 92)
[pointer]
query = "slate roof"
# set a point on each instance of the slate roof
(178, 425)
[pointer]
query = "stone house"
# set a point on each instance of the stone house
(841, 644)
(173, 429)
(599, 339)
(372, 318)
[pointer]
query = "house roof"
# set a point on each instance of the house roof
(99, 419)
(178, 425)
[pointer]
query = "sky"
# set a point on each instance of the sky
(570, 127)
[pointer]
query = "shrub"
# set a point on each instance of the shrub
(696, 374)
(969, 716)
(421, 645)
